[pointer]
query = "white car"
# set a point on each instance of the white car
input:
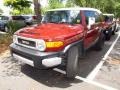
(30, 19)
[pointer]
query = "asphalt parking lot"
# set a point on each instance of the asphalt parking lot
(17, 76)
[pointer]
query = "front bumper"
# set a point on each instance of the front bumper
(35, 58)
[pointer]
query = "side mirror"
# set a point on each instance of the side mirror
(91, 21)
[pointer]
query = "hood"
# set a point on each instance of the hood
(51, 31)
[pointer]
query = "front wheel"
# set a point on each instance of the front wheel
(72, 62)
(108, 36)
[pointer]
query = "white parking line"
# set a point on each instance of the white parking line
(96, 83)
(88, 81)
(59, 70)
(92, 75)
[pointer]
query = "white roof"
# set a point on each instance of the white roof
(76, 8)
(108, 14)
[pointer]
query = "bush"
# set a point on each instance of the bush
(5, 39)
(13, 26)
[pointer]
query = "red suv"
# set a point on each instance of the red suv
(60, 40)
(109, 25)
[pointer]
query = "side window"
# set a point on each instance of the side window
(98, 17)
(89, 14)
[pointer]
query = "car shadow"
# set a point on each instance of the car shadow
(52, 78)
(48, 77)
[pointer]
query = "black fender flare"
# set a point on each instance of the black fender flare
(79, 43)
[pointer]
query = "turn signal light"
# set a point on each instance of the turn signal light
(54, 44)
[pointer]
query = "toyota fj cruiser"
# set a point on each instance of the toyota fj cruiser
(63, 36)
(109, 26)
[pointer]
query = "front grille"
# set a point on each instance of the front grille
(26, 42)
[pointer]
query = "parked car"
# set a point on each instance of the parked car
(18, 19)
(117, 21)
(64, 35)
(110, 25)
(30, 19)
(3, 23)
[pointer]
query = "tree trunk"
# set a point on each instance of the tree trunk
(37, 10)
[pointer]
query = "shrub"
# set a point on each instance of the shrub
(5, 41)
(13, 26)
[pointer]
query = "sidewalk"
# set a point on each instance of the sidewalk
(109, 74)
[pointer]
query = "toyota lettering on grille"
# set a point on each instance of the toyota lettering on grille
(25, 42)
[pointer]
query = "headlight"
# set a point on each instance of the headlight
(40, 44)
(14, 38)
(54, 44)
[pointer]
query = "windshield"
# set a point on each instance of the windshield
(108, 18)
(66, 16)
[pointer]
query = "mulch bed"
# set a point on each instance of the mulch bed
(5, 41)
(3, 47)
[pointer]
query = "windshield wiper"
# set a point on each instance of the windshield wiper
(49, 22)
(64, 22)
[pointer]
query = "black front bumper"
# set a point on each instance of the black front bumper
(34, 55)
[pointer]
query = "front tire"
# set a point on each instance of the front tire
(108, 36)
(72, 62)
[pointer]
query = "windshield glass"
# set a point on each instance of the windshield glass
(108, 18)
(66, 16)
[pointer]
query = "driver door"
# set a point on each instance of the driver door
(92, 28)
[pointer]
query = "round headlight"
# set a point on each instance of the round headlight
(14, 38)
(41, 45)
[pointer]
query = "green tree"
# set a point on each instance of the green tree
(117, 10)
(70, 3)
(17, 4)
(23, 12)
(106, 6)
(52, 4)
(1, 11)
(55, 4)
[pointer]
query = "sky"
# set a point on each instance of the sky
(6, 10)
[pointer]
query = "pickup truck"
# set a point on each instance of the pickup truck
(109, 26)
(61, 39)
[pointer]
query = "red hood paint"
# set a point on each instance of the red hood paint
(51, 32)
